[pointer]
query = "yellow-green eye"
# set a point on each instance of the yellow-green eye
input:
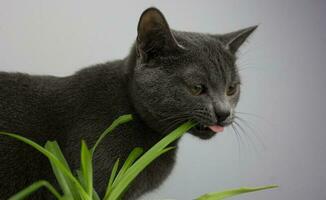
(232, 89)
(197, 90)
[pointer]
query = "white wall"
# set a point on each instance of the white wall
(284, 82)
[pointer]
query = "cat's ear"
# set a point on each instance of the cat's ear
(235, 39)
(154, 34)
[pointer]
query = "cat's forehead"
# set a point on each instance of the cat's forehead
(205, 59)
(194, 39)
(203, 48)
(204, 53)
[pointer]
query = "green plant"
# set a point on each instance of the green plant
(80, 186)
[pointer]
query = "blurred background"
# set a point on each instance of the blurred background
(283, 70)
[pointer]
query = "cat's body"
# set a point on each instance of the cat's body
(147, 84)
(49, 108)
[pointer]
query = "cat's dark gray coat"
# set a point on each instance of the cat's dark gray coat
(168, 77)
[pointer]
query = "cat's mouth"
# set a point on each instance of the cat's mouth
(215, 128)
(206, 131)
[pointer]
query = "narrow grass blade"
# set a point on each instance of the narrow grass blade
(95, 196)
(56, 162)
(158, 155)
(135, 153)
(54, 148)
(167, 149)
(82, 181)
(121, 120)
(87, 168)
(81, 178)
(146, 159)
(112, 177)
(65, 184)
(230, 193)
(34, 187)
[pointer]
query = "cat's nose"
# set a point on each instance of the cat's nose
(222, 116)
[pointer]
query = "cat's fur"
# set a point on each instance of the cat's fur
(152, 83)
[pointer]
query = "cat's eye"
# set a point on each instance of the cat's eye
(197, 89)
(232, 89)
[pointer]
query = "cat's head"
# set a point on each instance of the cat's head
(183, 75)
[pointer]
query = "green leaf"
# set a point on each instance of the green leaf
(230, 193)
(54, 148)
(146, 159)
(112, 177)
(121, 120)
(81, 178)
(32, 188)
(65, 184)
(95, 196)
(55, 161)
(135, 153)
(87, 169)
(167, 149)
(82, 188)
(82, 181)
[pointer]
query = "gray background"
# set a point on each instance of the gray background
(283, 74)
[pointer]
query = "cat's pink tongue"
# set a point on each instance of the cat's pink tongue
(216, 128)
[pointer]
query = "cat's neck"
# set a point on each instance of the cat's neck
(129, 63)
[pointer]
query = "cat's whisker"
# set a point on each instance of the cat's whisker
(237, 138)
(205, 117)
(174, 124)
(177, 120)
(173, 117)
(248, 136)
(202, 113)
(250, 114)
(246, 68)
(241, 139)
(253, 131)
(172, 120)
(243, 132)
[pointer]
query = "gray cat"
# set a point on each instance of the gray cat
(168, 78)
